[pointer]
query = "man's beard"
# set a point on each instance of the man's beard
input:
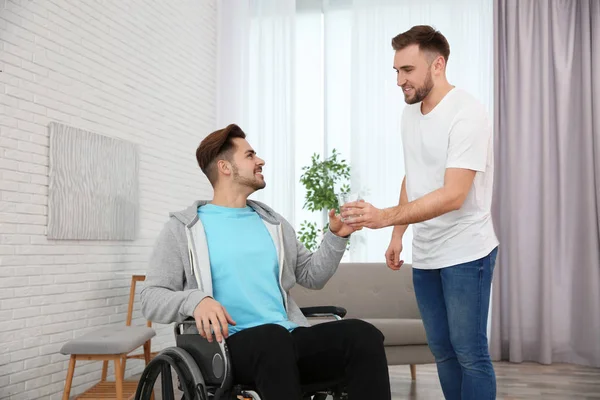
(254, 183)
(421, 92)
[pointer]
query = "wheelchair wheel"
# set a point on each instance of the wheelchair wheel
(186, 369)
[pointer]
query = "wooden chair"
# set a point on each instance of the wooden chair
(134, 280)
(111, 344)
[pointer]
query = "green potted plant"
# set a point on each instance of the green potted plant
(322, 180)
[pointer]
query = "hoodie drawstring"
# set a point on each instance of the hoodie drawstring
(190, 249)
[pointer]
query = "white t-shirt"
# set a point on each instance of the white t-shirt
(455, 134)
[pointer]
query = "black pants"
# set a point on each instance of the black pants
(277, 361)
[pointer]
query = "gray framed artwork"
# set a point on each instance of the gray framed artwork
(93, 186)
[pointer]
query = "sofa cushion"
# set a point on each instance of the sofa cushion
(400, 332)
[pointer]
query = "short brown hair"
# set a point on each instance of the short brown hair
(426, 37)
(217, 145)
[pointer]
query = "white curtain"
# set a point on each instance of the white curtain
(255, 88)
(326, 81)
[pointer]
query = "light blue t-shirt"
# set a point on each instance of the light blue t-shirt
(244, 267)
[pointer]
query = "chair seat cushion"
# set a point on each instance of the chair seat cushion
(109, 340)
(400, 331)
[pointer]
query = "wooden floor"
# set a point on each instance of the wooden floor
(515, 381)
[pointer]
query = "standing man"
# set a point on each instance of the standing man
(446, 194)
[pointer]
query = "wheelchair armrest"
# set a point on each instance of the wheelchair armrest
(324, 311)
(179, 326)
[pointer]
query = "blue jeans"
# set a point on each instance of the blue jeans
(454, 303)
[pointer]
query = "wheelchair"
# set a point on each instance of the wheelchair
(204, 370)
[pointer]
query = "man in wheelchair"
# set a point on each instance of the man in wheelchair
(230, 262)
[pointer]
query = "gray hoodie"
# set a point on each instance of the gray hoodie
(179, 275)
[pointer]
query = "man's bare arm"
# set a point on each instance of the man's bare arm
(399, 230)
(450, 197)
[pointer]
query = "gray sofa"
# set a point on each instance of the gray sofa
(385, 298)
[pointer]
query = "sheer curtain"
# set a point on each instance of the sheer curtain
(255, 88)
(307, 76)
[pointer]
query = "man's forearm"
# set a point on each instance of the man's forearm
(313, 270)
(399, 230)
(430, 206)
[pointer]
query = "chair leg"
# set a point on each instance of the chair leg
(119, 378)
(123, 366)
(413, 372)
(69, 379)
(147, 355)
(104, 370)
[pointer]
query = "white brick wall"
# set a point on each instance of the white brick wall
(139, 70)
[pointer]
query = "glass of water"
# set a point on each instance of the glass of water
(345, 198)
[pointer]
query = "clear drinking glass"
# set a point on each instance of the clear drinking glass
(344, 198)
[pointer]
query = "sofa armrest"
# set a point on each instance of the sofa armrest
(324, 311)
